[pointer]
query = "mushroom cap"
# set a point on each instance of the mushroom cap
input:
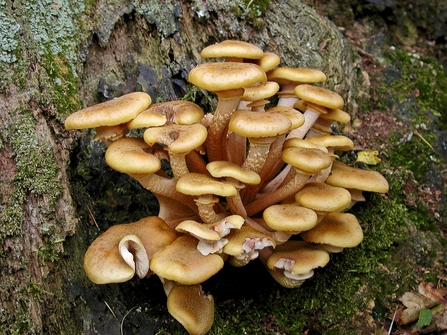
(238, 237)
(232, 48)
(300, 143)
(256, 125)
(268, 61)
(198, 184)
(337, 229)
(132, 156)
(319, 96)
(290, 217)
(337, 115)
(176, 111)
(288, 75)
(265, 91)
(109, 113)
(199, 230)
(221, 169)
(178, 138)
(322, 197)
(292, 114)
(338, 142)
(182, 262)
(306, 160)
(103, 262)
(224, 76)
(305, 257)
(192, 308)
(346, 176)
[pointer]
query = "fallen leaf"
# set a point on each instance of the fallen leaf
(370, 157)
(425, 317)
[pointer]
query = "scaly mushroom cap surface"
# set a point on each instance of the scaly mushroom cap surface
(306, 160)
(319, 96)
(178, 138)
(109, 113)
(345, 176)
(233, 49)
(322, 197)
(199, 184)
(169, 112)
(222, 76)
(336, 229)
(287, 75)
(338, 142)
(290, 217)
(132, 156)
(182, 262)
(257, 125)
(302, 258)
(189, 305)
(103, 262)
(222, 169)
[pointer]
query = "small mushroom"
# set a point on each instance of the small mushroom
(190, 306)
(232, 51)
(182, 262)
(290, 218)
(109, 118)
(335, 232)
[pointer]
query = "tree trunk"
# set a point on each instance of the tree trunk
(57, 193)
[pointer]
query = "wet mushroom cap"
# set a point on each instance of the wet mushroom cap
(336, 229)
(233, 49)
(109, 113)
(319, 96)
(306, 160)
(222, 169)
(223, 76)
(192, 308)
(322, 197)
(345, 176)
(182, 262)
(290, 217)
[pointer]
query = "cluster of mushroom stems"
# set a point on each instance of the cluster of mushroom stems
(246, 181)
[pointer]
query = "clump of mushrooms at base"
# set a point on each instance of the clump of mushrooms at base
(248, 181)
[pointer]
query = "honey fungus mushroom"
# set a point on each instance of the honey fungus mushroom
(109, 118)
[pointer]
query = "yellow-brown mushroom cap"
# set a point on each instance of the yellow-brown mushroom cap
(257, 125)
(319, 96)
(232, 49)
(336, 229)
(198, 184)
(305, 257)
(189, 305)
(292, 114)
(182, 262)
(287, 75)
(109, 113)
(290, 217)
(265, 91)
(307, 161)
(346, 176)
(222, 169)
(338, 142)
(268, 61)
(322, 197)
(223, 76)
(132, 156)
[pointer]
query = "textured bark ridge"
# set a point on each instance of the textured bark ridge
(57, 194)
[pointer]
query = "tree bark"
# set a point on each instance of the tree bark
(57, 193)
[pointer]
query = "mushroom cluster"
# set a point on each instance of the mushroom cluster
(246, 181)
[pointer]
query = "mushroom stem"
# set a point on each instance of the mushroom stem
(227, 105)
(293, 186)
(166, 187)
